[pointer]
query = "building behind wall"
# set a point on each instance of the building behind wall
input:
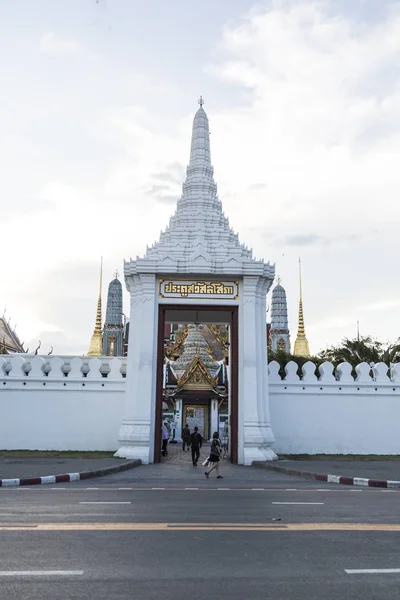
(279, 336)
(9, 341)
(113, 332)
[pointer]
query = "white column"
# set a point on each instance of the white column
(264, 413)
(255, 434)
(136, 434)
(214, 417)
(178, 419)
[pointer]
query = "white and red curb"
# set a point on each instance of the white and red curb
(360, 481)
(67, 477)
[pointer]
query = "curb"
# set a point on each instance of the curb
(67, 477)
(360, 481)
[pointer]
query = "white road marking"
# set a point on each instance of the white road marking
(362, 571)
(191, 488)
(92, 488)
(224, 489)
(257, 489)
(158, 488)
(297, 502)
(125, 488)
(291, 490)
(37, 573)
(105, 503)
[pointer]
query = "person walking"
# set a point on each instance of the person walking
(186, 437)
(165, 437)
(196, 443)
(215, 456)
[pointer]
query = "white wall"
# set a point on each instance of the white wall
(63, 410)
(335, 414)
(58, 412)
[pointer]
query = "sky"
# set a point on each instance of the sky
(97, 102)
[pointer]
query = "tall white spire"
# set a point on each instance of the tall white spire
(199, 186)
(279, 333)
(279, 310)
(199, 238)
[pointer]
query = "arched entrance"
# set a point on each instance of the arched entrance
(222, 314)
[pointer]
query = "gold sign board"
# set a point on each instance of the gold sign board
(227, 290)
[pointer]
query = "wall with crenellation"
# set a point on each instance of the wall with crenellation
(61, 402)
(77, 403)
(334, 412)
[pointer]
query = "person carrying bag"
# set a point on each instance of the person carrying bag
(215, 456)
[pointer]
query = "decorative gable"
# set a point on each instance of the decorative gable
(197, 377)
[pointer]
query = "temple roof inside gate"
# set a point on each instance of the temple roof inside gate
(197, 377)
(198, 238)
(8, 338)
(195, 347)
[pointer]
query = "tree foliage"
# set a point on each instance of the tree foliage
(284, 357)
(363, 349)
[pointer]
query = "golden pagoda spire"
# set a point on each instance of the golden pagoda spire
(301, 347)
(96, 342)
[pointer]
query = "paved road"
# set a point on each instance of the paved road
(253, 534)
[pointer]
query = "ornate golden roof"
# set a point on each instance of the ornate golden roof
(197, 377)
(8, 338)
(175, 349)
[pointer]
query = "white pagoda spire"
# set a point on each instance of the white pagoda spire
(199, 187)
(279, 334)
(199, 238)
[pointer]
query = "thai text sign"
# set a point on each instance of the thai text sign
(227, 290)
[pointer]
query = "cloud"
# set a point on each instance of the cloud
(304, 108)
(174, 173)
(257, 187)
(303, 239)
(381, 306)
(50, 43)
(316, 119)
(312, 239)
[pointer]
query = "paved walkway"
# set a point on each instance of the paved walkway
(388, 469)
(179, 457)
(12, 468)
(179, 464)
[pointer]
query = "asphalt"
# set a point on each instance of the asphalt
(165, 531)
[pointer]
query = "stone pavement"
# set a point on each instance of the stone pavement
(178, 461)
(388, 469)
(12, 468)
(179, 457)
(375, 470)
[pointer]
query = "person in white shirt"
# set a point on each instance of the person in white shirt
(165, 437)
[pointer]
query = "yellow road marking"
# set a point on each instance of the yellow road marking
(199, 527)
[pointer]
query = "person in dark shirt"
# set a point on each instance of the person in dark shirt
(196, 445)
(215, 456)
(186, 438)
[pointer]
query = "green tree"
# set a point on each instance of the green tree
(363, 349)
(283, 358)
